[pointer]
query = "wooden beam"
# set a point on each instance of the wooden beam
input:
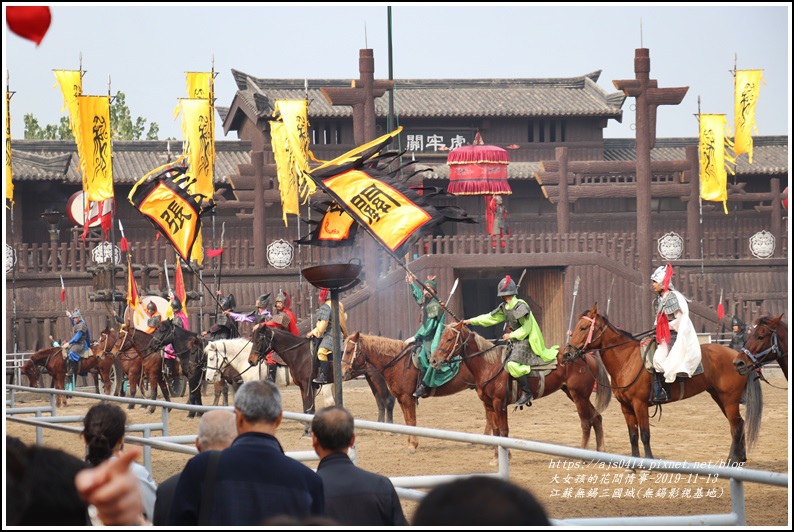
(597, 167)
(614, 191)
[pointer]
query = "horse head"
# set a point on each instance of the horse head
(107, 339)
(123, 340)
(354, 361)
(31, 370)
(450, 344)
(585, 336)
(766, 343)
(262, 344)
(213, 362)
(162, 336)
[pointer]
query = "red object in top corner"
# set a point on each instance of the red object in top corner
(29, 22)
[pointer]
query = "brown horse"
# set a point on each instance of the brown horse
(371, 355)
(631, 382)
(132, 339)
(53, 361)
(484, 361)
(296, 352)
(767, 343)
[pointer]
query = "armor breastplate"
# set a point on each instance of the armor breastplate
(669, 304)
(512, 316)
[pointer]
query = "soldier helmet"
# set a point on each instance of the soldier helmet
(228, 302)
(507, 287)
(432, 283)
(176, 305)
(736, 322)
(281, 296)
(663, 275)
(151, 306)
(262, 301)
(76, 314)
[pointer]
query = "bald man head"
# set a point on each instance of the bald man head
(216, 430)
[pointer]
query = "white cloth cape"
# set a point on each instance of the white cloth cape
(684, 355)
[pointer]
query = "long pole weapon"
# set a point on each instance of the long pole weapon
(609, 296)
(573, 303)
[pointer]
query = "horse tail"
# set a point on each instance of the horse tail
(603, 387)
(754, 402)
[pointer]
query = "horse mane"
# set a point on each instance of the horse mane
(233, 342)
(490, 355)
(41, 354)
(385, 346)
(625, 334)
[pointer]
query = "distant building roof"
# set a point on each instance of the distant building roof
(430, 98)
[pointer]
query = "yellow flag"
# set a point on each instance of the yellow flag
(714, 159)
(199, 84)
(200, 144)
(9, 172)
(96, 160)
(748, 85)
(290, 142)
(71, 84)
(197, 253)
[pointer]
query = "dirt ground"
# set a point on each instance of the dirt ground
(693, 430)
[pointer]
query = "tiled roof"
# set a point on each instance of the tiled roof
(47, 160)
(425, 98)
(770, 154)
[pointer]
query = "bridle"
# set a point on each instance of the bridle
(264, 350)
(761, 359)
(367, 362)
(226, 361)
(579, 352)
(450, 356)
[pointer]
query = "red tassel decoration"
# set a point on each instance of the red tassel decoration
(668, 274)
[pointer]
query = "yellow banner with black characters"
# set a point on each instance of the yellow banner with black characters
(96, 159)
(290, 142)
(200, 144)
(391, 216)
(714, 159)
(199, 84)
(9, 171)
(162, 198)
(71, 85)
(748, 85)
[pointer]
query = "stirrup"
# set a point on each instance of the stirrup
(420, 391)
(525, 399)
(320, 379)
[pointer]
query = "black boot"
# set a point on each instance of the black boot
(659, 393)
(322, 374)
(526, 391)
(421, 390)
(71, 368)
(271, 372)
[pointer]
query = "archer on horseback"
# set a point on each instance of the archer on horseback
(678, 349)
(426, 338)
(324, 330)
(524, 336)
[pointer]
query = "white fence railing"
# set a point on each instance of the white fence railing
(407, 487)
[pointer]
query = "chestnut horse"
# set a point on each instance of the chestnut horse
(52, 359)
(134, 340)
(631, 383)
(375, 355)
(484, 360)
(296, 352)
(768, 342)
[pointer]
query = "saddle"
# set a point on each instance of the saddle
(660, 390)
(85, 354)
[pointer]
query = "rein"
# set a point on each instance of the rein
(357, 349)
(760, 359)
(450, 355)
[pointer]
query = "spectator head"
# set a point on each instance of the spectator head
(217, 430)
(257, 405)
(103, 432)
(40, 488)
(479, 500)
(332, 429)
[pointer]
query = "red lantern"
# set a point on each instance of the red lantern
(784, 201)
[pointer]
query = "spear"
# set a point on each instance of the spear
(573, 303)
(609, 296)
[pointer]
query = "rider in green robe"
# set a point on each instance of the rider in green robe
(524, 336)
(427, 337)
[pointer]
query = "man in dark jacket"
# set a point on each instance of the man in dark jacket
(353, 496)
(254, 480)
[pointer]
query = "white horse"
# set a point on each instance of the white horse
(233, 353)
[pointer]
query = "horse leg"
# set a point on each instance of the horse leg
(631, 423)
(216, 388)
(730, 408)
(643, 422)
(307, 393)
(163, 387)
(225, 390)
(408, 405)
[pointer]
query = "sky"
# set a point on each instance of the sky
(145, 49)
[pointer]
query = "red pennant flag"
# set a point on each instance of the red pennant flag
(29, 22)
(720, 308)
(63, 291)
(212, 253)
(179, 286)
(125, 245)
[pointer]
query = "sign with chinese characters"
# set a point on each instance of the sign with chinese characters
(11, 258)
(418, 141)
(279, 254)
(105, 252)
(671, 246)
(762, 244)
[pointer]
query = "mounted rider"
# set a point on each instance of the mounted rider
(224, 327)
(678, 349)
(79, 342)
(426, 338)
(180, 320)
(282, 318)
(324, 329)
(740, 335)
(153, 317)
(524, 336)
